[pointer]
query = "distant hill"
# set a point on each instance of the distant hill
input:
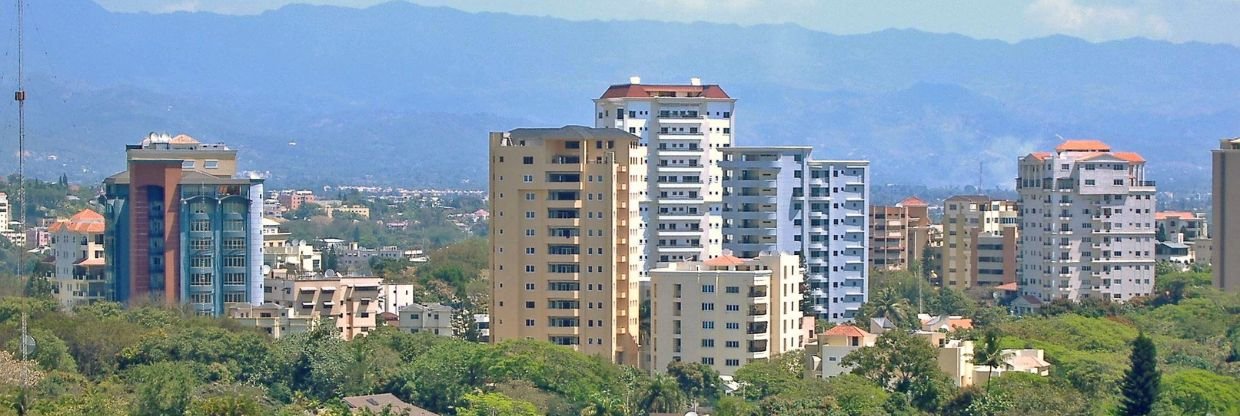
(404, 94)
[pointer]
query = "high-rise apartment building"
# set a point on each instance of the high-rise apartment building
(1087, 223)
(566, 238)
(183, 227)
(1226, 227)
(899, 234)
(77, 271)
(779, 200)
(684, 128)
(979, 241)
(726, 311)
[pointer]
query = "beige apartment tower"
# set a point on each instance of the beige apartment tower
(899, 234)
(565, 238)
(1226, 227)
(979, 241)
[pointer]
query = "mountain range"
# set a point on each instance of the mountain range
(401, 94)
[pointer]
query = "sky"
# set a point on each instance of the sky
(1211, 21)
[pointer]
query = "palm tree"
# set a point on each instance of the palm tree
(662, 395)
(888, 305)
(604, 404)
(990, 355)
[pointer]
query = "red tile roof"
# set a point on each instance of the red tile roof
(644, 91)
(183, 139)
(1040, 155)
(846, 331)
(1008, 287)
(1083, 146)
(912, 201)
(724, 261)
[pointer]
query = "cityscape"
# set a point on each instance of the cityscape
(658, 260)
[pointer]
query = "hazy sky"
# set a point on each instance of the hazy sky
(1176, 20)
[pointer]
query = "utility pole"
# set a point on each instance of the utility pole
(20, 96)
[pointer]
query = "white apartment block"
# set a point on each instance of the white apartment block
(1087, 223)
(78, 268)
(726, 311)
(684, 128)
(778, 200)
(434, 318)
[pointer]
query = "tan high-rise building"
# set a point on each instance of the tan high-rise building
(566, 238)
(1226, 227)
(979, 241)
(726, 312)
(898, 234)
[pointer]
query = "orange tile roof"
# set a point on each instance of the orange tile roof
(846, 330)
(1008, 287)
(727, 260)
(960, 323)
(645, 91)
(1129, 156)
(183, 139)
(1040, 155)
(85, 222)
(912, 201)
(1083, 146)
(1162, 215)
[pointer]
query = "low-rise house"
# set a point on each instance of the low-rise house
(377, 404)
(273, 319)
(432, 317)
(482, 324)
(1027, 360)
(1179, 255)
(826, 355)
(944, 323)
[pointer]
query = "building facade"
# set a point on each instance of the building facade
(566, 238)
(351, 303)
(725, 312)
(980, 236)
(899, 234)
(779, 200)
(1226, 227)
(1087, 223)
(183, 227)
(78, 269)
(684, 128)
(434, 318)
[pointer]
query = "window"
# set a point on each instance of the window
(200, 225)
(200, 244)
(732, 344)
(187, 164)
(707, 306)
(732, 289)
(527, 178)
(234, 296)
(734, 308)
(211, 164)
(200, 261)
(234, 261)
(733, 325)
(200, 297)
(708, 360)
(708, 288)
(732, 362)
(234, 278)
(200, 279)
(1118, 182)
(1089, 182)
(528, 160)
(708, 324)
(234, 225)
(708, 343)
(234, 243)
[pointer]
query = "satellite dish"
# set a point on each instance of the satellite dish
(28, 345)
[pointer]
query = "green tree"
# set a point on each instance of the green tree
(698, 381)
(164, 388)
(771, 376)
(1140, 386)
(1200, 392)
(734, 406)
(905, 364)
(990, 354)
(495, 404)
(662, 395)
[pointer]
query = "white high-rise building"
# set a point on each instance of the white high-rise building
(779, 200)
(1087, 223)
(684, 129)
